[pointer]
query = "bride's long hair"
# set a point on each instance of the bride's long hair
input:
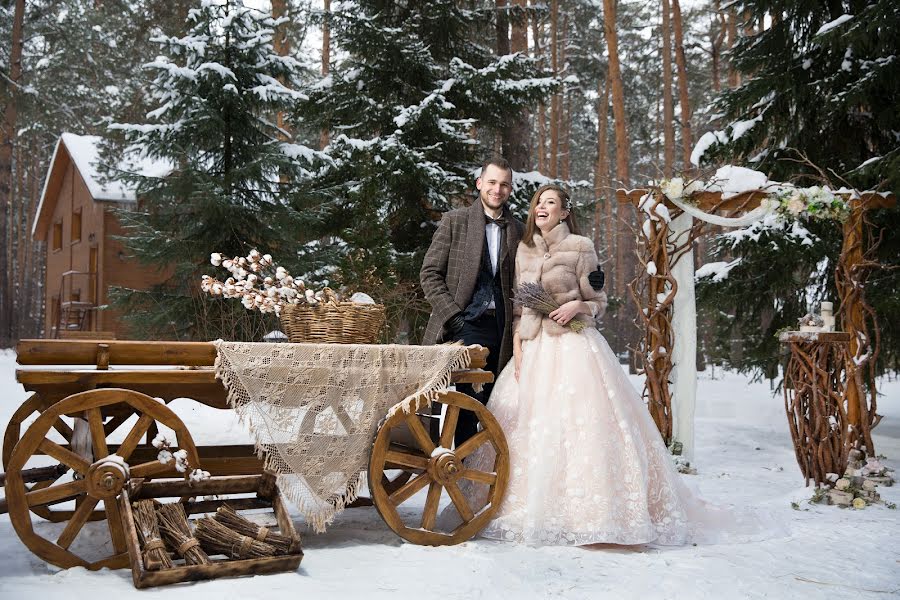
(531, 228)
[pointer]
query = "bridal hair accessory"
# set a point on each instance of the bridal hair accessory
(533, 295)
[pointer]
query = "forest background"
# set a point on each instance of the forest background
(378, 113)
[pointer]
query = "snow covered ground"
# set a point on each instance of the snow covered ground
(744, 457)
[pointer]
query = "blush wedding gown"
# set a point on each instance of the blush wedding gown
(587, 463)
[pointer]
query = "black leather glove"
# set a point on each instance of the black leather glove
(596, 279)
(456, 323)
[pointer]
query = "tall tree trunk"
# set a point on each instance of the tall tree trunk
(555, 99)
(717, 37)
(519, 37)
(516, 134)
(502, 28)
(668, 102)
(565, 112)
(733, 76)
(537, 31)
(683, 97)
(7, 142)
(602, 196)
(326, 60)
(618, 94)
(624, 244)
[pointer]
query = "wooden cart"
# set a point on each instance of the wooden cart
(86, 393)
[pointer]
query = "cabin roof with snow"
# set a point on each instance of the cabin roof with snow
(84, 152)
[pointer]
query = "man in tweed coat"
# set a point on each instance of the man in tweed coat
(467, 276)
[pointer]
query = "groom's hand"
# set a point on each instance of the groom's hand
(456, 323)
(597, 279)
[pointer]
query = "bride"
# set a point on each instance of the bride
(587, 463)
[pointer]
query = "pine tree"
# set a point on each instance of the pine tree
(824, 80)
(218, 90)
(402, 108)
(822, 83)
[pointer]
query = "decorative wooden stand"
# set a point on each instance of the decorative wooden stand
(815, 395)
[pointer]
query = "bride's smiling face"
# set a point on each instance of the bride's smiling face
(549, 211)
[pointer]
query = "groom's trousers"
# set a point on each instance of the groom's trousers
(487, 331)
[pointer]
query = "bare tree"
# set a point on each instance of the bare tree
(537, 31)
(326, 59)
(555, 99)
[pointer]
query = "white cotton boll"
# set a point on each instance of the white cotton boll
(252, 278)
(215, 258)
(254, 254)
(647, 228)
(216, 289)
(267, 258)
(271, 292)
(227, 264)
(310, 296)
(164, 457)
(651, 268)
(268, 281)
(199, 475)
(361, 298)
(160, 441)
(280, 273)
(242, 273)
(247, 301)
(242, 261)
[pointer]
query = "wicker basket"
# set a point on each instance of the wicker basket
(333, 323)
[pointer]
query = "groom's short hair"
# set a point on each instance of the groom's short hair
(497, 161)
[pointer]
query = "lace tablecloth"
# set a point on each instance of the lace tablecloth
(313, 409)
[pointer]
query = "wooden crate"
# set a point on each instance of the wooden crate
(266, 496)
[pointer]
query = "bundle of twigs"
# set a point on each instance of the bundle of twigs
(231, 519)
(154, 550)
(219, 539)
(175, 528)
(533, 295)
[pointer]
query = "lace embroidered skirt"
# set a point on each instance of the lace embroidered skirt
(587, 464)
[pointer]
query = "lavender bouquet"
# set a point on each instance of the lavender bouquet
(533, 295)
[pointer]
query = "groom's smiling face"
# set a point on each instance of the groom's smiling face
(494, 187)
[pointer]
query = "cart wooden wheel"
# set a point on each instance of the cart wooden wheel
(102, 479)
(34, 405)
(433, 464)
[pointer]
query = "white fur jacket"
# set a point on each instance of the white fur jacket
(560, 262)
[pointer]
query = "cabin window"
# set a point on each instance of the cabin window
(57, 236)
(76, 225)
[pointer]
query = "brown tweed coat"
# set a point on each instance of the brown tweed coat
(451, 267)
(560, 261)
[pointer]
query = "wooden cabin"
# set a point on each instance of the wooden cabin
(76, 220)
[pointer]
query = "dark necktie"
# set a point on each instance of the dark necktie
(499, 221)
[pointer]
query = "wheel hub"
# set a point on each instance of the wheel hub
(446, 468)
(107, 477)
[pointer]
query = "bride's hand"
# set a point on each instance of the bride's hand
(567, 311)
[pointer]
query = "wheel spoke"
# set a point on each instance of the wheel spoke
(115, 423)
(57, 492)
(150, 469)
(63, 429)
(114, 520)
(450, 420)
(429, 515)
(65, 456)
(98, 433)
(79, 518)
(479, 476)
(409, 489)
(418, 432)
(460, 502)
(471, 444)
(406, 459)
(134, 436)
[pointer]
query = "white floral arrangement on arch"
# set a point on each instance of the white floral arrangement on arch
(260, 283)
(815, 202)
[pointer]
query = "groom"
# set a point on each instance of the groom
(467, 276)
